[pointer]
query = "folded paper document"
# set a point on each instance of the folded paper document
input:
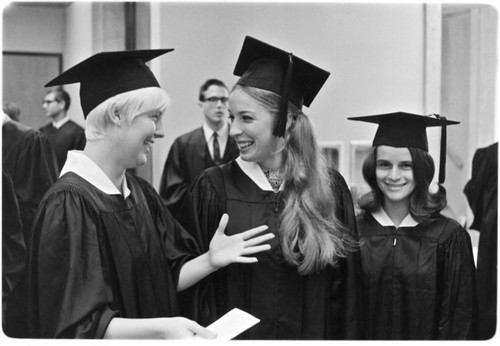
(232, 324)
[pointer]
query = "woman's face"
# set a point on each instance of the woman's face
(139, 138)
(251, 127)
(394, 172)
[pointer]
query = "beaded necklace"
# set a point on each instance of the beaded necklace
(274, 178)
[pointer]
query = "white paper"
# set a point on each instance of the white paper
(232, 324)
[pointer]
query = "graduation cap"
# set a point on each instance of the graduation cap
(404, 130)
(263, 66)
(107, 74)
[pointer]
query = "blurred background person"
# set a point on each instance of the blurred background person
(12, 110)
(482, 194)
(30, 162)
(13, 244)
(418, 265)
(206, 146)
(63, 133)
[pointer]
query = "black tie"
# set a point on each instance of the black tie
(217, 159)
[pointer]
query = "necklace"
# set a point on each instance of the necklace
(274, 178)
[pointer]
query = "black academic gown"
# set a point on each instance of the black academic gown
(13, 245)
(70, 136)
(29, 159)
(186, 160)
(418, 282)
(482, 194)
(324, 305)
(97, 256)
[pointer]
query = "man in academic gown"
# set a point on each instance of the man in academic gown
(29, 160)
(199, 149)
(63, 133)
(481, 192)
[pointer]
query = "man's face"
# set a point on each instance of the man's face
(214, 107)
(51, 105)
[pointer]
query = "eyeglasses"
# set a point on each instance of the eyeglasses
(214, 100)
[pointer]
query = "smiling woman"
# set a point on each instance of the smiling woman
(418, 267)
(107, 259)
(307, 286)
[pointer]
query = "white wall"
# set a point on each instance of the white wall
(65, 30)
(33, 29)
(375, 53)
(78, 45)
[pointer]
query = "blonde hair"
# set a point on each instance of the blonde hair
(311, 236)
(129, 104)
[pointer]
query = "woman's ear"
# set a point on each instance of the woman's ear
(116, 118)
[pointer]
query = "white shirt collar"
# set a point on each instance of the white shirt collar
(384, 220)
(5, 118)
(223, 133)
(254, 172)
(58, 124)
(79, 163)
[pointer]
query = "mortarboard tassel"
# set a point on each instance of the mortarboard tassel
(442, 154)
(279, 130)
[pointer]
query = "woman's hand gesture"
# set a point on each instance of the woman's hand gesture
(225, 250)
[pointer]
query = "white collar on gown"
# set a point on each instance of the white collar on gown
(254, 172)
(79, 163)
(384, 220)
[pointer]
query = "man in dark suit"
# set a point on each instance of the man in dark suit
(64, 134)
(199, 149)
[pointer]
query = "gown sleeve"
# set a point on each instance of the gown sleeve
(344, 202)
(35, 172)
(205, 207)
(13, 244)
(457, 284)
(482, 194)
(347, 293)
(69, 294)
(180, 246)
(205, 204)
(80, 141)
(174, 181)
(481, 189)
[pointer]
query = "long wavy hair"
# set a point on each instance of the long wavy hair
(311, 236)
(424, 205)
